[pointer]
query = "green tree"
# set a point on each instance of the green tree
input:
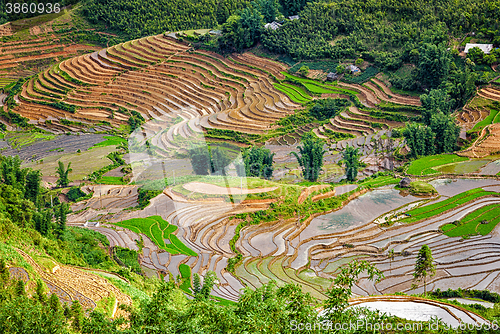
(424, 266)
(338, 296)
(60, 212)
(76, 315)
(54, 303)
(435, 102)
(304, 71)
(350, 158)
(41, 295)
(200, 160)
(311, 156)
(219, 161)
(476, 55)
(268, 9)
(446, 132)
(328, 108)
(292, 7)
(420, 139)
(433, 65)
(203, 292)
(258, 162)
(63, 172)
(33, 179)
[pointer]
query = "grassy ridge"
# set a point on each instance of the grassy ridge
(158, 230)
(429, 211)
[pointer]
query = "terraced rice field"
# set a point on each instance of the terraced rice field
(425, 165)
(158, 231)
(488, 143)
(163, 80)
(491, 93)
(71, 284)
(311, 253)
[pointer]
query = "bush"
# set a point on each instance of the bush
(74, 194)
(327, 108)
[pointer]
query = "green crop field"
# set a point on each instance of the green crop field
(424, 166)
(471, 224)
(319, 87)
(429, 211)
(158, 230)
(111, 140)
(294, 95)
(493, 117)
(379, 181)
(111, 180)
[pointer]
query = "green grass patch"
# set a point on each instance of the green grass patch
(111, 140)
(432, 210)
(111, 180)
(291, 93)
(158, 230)
(378, 181)
(422, 188)
(21, 139)
(424, 166)
(490, 119)
(185, 271)
(472, 223)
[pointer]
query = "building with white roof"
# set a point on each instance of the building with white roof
(486, 48)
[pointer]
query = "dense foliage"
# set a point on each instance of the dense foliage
(141, 18)
(328, 108)
(209, 160)
(350, 158)
(257, 161)
(310, 156)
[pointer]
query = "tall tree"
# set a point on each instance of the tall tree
(424, 266)
(446, 132)
(33, 179)
(63, 172)
(219, 161)
(420, 139)
(338, 296)
(60, 212)
(311, 156)
(200, 160)
(268, 9)
(435, 102)
(350, 158)
(258, 162)
(433, 65)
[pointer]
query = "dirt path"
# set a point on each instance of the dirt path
(210, 189)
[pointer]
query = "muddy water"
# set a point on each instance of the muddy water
(449, 187)
(361, 210)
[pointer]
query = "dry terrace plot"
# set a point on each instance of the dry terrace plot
(82, 164)
(159, 77)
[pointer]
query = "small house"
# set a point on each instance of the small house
(273, 25)
(353, 69)
(293, 17)
(486, 48)
(332, 76)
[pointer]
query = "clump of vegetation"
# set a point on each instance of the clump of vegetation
(422, 188)
(328, 108)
